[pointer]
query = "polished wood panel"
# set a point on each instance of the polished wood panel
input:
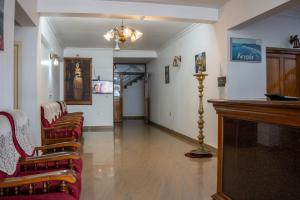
(283, 71)
(274, 85)
(289, 75)
(61, 175)
(118, 109)
(257, 149)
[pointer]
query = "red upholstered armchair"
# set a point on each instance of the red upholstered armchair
(57, 127)
(22, 140)
(17, 183)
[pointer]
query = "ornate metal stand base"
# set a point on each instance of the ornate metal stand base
(199, 153)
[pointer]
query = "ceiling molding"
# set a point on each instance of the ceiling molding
(147, 11)
(55, 33)
(178, 36)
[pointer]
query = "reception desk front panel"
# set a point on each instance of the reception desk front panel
(260, 161)
(258, 150)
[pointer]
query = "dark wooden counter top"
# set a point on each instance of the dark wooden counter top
(260, 110)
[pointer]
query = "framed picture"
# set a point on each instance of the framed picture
(245, 50)
(177, 61)
(78, 82)
(167, 74)
(103, 87)
(200, 62)
(1, 25)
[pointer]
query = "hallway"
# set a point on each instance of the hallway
(141, 162)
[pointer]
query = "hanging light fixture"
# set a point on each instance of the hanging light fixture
(122, 34)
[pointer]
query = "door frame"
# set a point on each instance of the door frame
(146, 103)
(17, 75)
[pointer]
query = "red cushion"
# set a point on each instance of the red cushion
(49, 196)
(64, 133)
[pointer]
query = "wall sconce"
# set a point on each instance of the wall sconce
(55, 59)
(177, 61)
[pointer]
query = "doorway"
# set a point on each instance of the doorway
(17, 75)
(130, 92)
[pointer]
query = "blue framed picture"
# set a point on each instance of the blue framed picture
(245, 50)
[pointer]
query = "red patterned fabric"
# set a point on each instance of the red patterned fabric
(50, 196)
(64, 133)
(57, 116)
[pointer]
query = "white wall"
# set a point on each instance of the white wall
(40, 82)
(248, 80)
(175, 105)
(133, 99)
(101, 112)
(234, 13)
(28, 36)
(7, 56)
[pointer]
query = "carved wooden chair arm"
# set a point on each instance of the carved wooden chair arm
(58, 147)
(76, 145)
(68, 176)
(75, 113)
(53, 157)
(67, 121)
(62, 126)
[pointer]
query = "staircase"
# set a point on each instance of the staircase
(130, 79)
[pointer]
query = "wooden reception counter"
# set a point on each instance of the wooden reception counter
(258, 150)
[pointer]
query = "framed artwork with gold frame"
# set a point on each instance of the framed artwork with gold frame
(78, 81)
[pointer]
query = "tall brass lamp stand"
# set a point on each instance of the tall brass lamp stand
(201, 152)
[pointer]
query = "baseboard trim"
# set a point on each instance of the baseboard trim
(183, 137)
(97, 128)
(133, 117)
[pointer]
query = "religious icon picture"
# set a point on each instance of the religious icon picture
(200, 62)
(78, 82)
(1, 25)
(167, 74)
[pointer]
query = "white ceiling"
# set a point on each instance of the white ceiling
(88, 32)
(204, 3)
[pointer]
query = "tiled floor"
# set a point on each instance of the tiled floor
(140, 162)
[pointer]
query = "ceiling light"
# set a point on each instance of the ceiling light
(136, 35)
(117, 47)
(122, 34)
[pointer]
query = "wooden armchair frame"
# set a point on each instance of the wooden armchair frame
(65, 177)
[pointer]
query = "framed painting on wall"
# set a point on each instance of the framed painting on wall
(200, 62)
(77, 81)
(1, 25)
(245, 50)
(167, 74)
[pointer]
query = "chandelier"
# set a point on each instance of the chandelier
(122, 34)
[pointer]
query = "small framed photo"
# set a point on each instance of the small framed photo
(245, 50)
(167, 74)
(200, 62)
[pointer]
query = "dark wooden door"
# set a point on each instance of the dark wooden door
(289, 75)
(283, 72)
(273, 74)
